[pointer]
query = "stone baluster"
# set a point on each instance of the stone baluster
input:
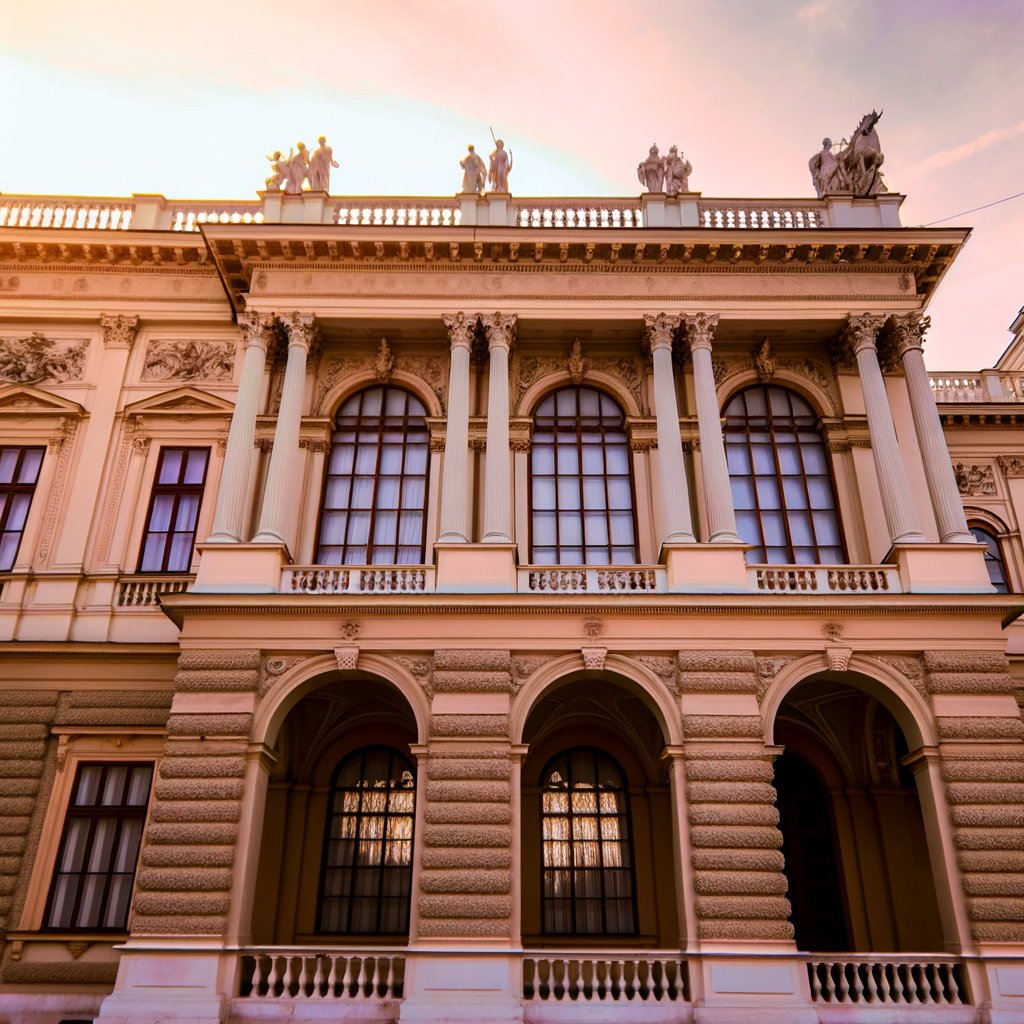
(675, 493)
(700, 328)
(897, 498)
(257, 331)
(454, 523)
(278, 493)
(908, 335)
(500, 331)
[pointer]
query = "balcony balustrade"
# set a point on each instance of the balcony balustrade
(142, 591)
(824, 579)
(763, 213)
(280, 975)
(958, 388)
(613, 976)
(928, 980)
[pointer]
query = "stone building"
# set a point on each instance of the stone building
(487, 609)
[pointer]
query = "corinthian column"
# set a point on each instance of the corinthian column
(453, 520)
(908, 334)
(897, 498)
(257, 329)
(278, 495)
(675, 494)
(500, 330)
(700, 328)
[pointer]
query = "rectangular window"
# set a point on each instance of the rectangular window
(174, 510)
(19, 471)
(92, 882)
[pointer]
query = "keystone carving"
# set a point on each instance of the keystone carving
(577, 363)
(593, 658)
(384, 364)
(347, 658)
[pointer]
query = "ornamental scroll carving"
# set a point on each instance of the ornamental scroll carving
(168, 359)
(432, 370)
(627, 369)
(35, 359)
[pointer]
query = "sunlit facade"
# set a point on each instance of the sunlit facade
(483, 609)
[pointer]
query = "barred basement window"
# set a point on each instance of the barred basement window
(19, 471)
(174, 510)
(375, 496)
(92, 885)
(781, 486)
(589, 886)
(367, 873)
(581, 482)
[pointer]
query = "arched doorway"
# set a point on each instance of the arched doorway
(337, 844)
(860, 877)
(597, 820)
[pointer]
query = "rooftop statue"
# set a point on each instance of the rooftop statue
(320, 164)
(652, 172)
(280, 168)
(297, 169)
(855, 166)
(677, 172)
(501, 166)
(474, 175)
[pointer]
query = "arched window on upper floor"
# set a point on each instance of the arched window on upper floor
(581, 482)
(588, 880)
(366, 880)
(373, 510)
(781, 485)
(993, 558)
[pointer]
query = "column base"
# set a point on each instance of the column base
(239, 568)
(942, 568)
(705, 568)
(476, 568)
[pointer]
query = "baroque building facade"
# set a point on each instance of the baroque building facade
(487, 609)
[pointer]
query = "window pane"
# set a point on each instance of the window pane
(8, 463)
(195, 468)
(175, 504)
(170, 465)
(29, 472)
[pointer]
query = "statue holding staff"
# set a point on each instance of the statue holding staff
(501, 166)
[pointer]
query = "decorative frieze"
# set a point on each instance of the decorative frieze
(974, 480)
(180, 359)
(35, 359)
(1011, 465)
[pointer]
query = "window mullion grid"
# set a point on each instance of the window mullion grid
(779, 479)
(579, 479)
(607, 491)
(753, 483)
(383, 842)
(807, 491)
(108, 875)
(87, 850)
(556, 478)
(572, 845)
(171, 522)
(600, 848)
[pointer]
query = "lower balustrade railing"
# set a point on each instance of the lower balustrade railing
(919, 981)
(350, 974)
(824, 579)
(611, 976)
(593, 579)
(358, 579)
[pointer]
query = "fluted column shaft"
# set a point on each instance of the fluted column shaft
(229, 516)
(945, 495)
(675, 493)
(454, 507)
(897, 498)
(278, 495)
(700, 329)
(499, 329)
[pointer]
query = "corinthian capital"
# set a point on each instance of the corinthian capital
(862, 331)
(461, 329)
(118, 330)
(257, 328)
(700, 329)
(301, 329)
(908, 330)
(500, 329)
(660, 329)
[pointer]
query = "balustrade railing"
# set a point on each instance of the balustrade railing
(956, 388)
(567, 579)
(358, 579)
(608, 977)
(577, 213)
(78, 213)
(764, 213)
(142, 591)
(411, 212)
(924, 981)
(189, 216)
(369, 975)
(824, 579)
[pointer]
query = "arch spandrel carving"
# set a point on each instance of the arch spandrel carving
(882, 681)
(819, 395)
(628, 398)
(619, 669)
(290, 687)
(360, 375)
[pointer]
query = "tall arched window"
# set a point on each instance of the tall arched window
(581, 484)
(367, 868)
(588, 886)
(993, 558)
(781, 487)
(375, 495)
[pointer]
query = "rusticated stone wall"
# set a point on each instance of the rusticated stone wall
(738, 869)
(985, 790)
(184, 880)
(466, 858)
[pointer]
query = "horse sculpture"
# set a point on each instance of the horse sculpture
(862, 158)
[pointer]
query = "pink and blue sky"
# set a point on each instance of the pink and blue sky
(110, 97)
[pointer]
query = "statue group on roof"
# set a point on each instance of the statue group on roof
(669, 174)
(855, 166)
(476, 176)
(290, 172)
